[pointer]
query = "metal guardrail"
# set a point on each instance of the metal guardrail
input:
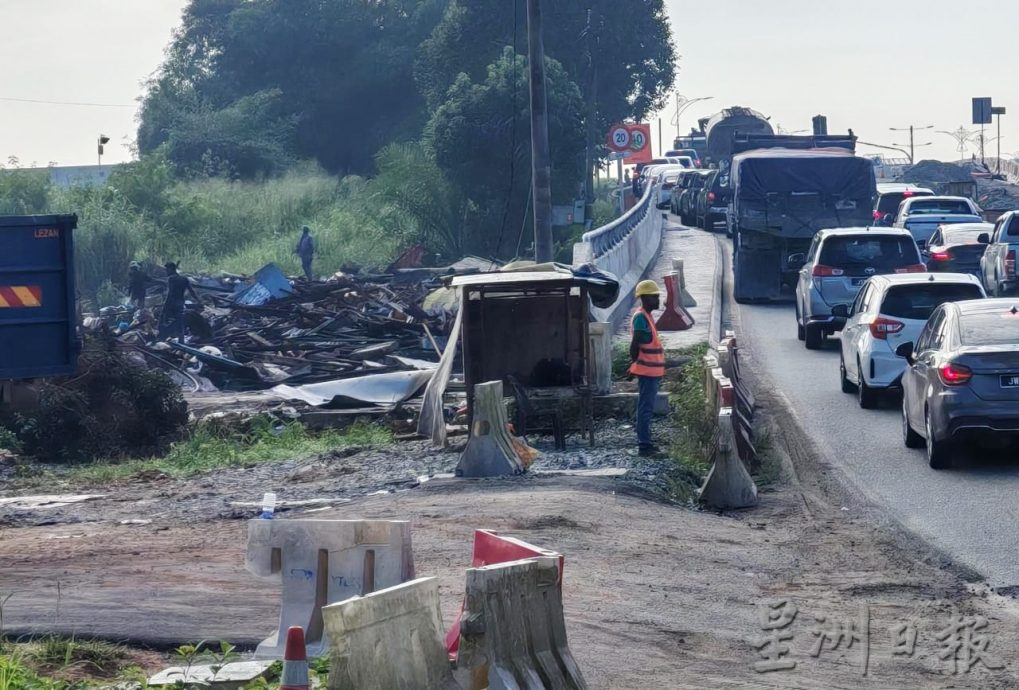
(603, 239)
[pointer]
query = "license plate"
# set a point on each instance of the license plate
(1010, 381)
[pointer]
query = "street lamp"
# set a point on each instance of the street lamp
(910, 129)
(682, 105)
(103, 140)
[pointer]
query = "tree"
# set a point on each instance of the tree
(623, 52)
(336, 75)
(480, 136)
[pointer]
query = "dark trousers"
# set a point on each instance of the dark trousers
(306, 265)
(171, 322)
(647, 393)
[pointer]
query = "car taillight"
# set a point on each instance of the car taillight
(940, 256)
(881, 327)
(907, 193)
(877, 215)
(826, 271)
(912, 268)
(1010, 263)
(954, 374)
(711, 196)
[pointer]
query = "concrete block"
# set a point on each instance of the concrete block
(513, 635)
(728, 485)
(489, 451)
(232, 676)
(389, 639)
(322, 562)
(687, 299)
(600, 334)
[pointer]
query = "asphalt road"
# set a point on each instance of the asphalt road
(970, 512)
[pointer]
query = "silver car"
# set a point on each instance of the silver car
(962, 382)
(838, 263)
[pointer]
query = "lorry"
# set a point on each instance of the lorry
(997, 266)
(713, 138)
(922, 215)
(38, 314)
(781, 197)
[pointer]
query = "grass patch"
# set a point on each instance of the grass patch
(693, 427)
(62, 653)
(60, 663)
(210, 447)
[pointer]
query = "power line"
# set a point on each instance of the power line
(74, 103)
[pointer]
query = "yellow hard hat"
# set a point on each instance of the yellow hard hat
(647, 287)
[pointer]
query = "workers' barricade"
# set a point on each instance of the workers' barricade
(686, 299)
(513, 635)
(675, 317)
(321, 562)
(389, 639)
(489, 549)
(729, 400)
(489, 451)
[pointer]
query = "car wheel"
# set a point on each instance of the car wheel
(867, 396)
(939, 453)
(813, 337)
(847, 385)
(909, 437)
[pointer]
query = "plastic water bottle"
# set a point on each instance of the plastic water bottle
(268, 505)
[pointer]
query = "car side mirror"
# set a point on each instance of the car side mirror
(841, 311)
(905, 351)
(888, 218)
(797, 259)
(984, 238)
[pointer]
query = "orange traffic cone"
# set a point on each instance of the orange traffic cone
(295, 661)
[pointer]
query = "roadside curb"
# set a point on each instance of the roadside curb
(715, 323)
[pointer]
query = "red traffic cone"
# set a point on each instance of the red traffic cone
(295, 661)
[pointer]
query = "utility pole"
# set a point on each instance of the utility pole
(912, 140)
(592, 113)
(541, 164)
(999, 111)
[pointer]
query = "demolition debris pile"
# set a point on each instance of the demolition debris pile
(257, 334)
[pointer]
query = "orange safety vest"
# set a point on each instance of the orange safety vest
(651, 356)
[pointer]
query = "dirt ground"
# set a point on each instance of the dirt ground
(656, 595)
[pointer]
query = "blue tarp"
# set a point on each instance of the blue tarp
(270, 284)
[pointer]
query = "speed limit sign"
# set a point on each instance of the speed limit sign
(619, 138)
(638, 140)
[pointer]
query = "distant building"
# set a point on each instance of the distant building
(65, 176)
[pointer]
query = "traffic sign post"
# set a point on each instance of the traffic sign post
(640, 145)
(982, 116)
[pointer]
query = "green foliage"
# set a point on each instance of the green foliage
(693, 428)
(111, 408)
(491, 115)
(61, 653)
(23, 192)
(211, 446)
(337, 75)
(625, 57)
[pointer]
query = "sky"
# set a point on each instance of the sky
(868, 65)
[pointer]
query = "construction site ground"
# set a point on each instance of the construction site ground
(656, 595)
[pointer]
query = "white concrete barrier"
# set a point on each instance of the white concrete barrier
(728, 485)
(321, 562)
(512, 633)
(627, 247)
(389, 639)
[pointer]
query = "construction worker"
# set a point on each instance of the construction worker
(306, 250)
(648, 356)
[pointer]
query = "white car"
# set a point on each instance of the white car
(891, 310)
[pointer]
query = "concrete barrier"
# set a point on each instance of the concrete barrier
(512, 635)
(489, 451)
(321, 562)
(728, 485)
(687, 299)
(627, 247)
(491, 548)
(600, 336)
(674, 317)
(389, 639)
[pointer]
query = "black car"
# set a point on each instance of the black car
(957, 248)
(713, 200)
(687, 204)
(962, 382)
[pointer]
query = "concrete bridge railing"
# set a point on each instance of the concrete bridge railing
(627, 247)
